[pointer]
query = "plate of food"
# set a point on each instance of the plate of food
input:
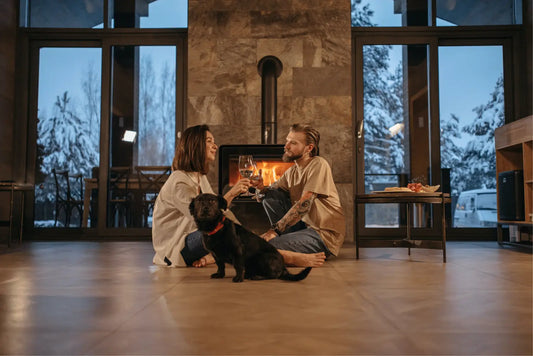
(411, 188)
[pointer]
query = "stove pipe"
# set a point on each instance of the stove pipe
(269, 69)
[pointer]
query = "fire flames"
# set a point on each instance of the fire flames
(270, 170)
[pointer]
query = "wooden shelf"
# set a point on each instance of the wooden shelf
(515, 222)
(514, 151)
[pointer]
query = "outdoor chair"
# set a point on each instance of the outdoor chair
(68, 200)
(120, 197)
(151, 179)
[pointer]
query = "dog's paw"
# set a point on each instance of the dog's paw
(217, 275)
(238, 279)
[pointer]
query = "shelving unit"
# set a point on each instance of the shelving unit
(514, 151)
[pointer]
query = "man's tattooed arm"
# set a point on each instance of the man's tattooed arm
(297, 211)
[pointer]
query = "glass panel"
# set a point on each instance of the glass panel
(389, 13)
(395, 103)
(149, 14)
(471, 108)
(144, 97)
(478, 12)
(61, 13)
(67, 132)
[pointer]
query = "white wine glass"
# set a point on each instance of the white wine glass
(257, 177)
(246, 169)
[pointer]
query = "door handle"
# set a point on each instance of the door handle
(360, 127)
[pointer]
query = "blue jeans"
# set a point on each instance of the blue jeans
(297, 238)
(194, 248)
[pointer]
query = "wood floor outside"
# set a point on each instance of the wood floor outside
(69, 298)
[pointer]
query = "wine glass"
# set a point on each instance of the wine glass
(257, 177)
(246, 169)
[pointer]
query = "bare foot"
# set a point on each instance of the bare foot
(298, 259)
(204, 261)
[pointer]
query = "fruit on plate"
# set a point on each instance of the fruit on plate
(415, 187)
(430, 188)
(419, 188)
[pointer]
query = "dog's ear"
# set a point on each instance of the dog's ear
(222, 203)
(191, 207)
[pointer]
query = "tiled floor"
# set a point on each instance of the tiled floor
(73, 298)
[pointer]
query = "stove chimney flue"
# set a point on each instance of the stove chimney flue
(269, 68)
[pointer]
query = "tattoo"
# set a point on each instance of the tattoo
(297, 211)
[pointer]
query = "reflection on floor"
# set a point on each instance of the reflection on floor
(68, 298)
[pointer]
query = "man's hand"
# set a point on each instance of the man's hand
(269, 235)
(257, 181)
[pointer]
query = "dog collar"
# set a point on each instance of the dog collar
(218, 227)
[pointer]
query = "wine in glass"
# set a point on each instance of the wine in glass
(257, 177)
(246, 169)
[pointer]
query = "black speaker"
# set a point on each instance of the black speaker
(511, 195)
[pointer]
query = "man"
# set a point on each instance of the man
(303, 205)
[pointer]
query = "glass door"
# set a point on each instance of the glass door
(68, 126)
(472, 106)
(415, 127)
(142, 131)
(393, 123)
(99, 127)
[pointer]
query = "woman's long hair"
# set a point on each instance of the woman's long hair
(190, 153)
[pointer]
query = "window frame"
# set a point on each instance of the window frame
(25, 130)
(507, 36)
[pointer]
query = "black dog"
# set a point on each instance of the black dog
(252, 256)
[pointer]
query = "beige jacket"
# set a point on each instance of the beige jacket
(172, 221)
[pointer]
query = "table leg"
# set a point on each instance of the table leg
(443, 230)
(11, 215)
(408, 226)
(22, 198)
(355, 231)
(86, 206)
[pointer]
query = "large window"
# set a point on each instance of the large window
(144, 106)
(107, 106)
(427, 103)
(67, 132)
(471, 98)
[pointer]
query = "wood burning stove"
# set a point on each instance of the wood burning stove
(267, 157)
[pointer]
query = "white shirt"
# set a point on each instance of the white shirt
(172, 221)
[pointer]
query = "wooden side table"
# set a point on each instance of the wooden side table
(13, 188)
(408, 199)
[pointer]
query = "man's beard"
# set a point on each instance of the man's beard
(287, 158)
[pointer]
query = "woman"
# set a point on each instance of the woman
(175, 237)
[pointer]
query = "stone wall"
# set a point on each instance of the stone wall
(312, 39)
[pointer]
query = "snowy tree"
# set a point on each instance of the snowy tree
(64, 139)
(361, 14)
(478, 164)
(148, 128)
(383, 102)
(167, 105)
(157, 107)
(451, 153)
(91, 88)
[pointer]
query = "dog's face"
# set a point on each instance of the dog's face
(206, 208)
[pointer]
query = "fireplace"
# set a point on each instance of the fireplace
(268, 158)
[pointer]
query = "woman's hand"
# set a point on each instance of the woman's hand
(240, 187)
